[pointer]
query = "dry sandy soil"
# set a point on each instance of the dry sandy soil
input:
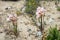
(24, 23)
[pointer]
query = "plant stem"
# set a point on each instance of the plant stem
(41, 24)
(15, 28)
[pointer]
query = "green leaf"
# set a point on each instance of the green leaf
(53, 34)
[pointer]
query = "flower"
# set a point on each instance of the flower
(40, 11)
(12, 17)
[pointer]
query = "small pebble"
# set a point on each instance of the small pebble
(38, 34)
(51, 20)
(38, 24)
(8, 8)
(29, 30)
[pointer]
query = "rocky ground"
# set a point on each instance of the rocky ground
(27, 31)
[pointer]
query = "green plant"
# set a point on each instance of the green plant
(31, 6)
(58, 8)
(13, 19)
(18, 12)
(53, 34)
(15, 29)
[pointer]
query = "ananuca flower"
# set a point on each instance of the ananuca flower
(39, 14)
(40, 11)
(12, 17)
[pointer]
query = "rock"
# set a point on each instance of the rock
(29, 38)
(13, 36)
(51, 20)
(1, 29)
(0, 13)
(8, 37)
(8, 8)
(38, 34)
(2, 36)
(23, 9)
(38, 24)
(9, 0)
(8, 19)
(29, 30)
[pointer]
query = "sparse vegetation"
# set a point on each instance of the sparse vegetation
(15, 29)
(53, 34)
(16, 23)
(58, 8)
(18, 12)
(31, 6)
(13, 19)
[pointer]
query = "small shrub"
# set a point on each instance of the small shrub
(13, 18)
(58, 8)
(53, 34)
(15, 30)
(31, 6)
(18, 12)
